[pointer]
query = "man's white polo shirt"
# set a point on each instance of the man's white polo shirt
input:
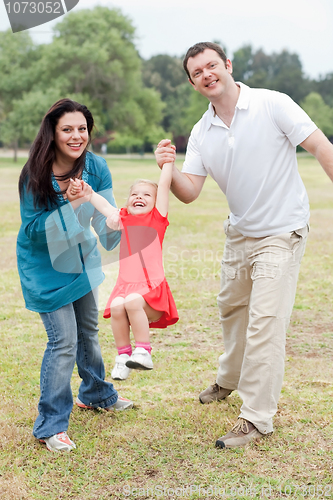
(254, 161)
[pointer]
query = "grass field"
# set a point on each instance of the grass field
(164, 448)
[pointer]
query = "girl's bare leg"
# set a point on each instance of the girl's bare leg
(120, 322)
(140, 314)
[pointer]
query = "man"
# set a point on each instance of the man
(247, 142)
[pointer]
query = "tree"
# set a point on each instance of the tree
(91, 59)
(278, 71)
(287, 75)
(17, 53)
(198, 105)
(325, 88)
(166, 74)
(23, 121)
(242, 63)
(319, 112)
(177, 104)
(140, 119)
(103, 63)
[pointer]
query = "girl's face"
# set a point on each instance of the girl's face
(71, 136)
(141, 199)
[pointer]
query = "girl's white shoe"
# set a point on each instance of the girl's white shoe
(140, 360)
(120, 370)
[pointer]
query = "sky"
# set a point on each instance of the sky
(303, 27)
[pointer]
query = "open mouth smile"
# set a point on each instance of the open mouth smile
(211, 83)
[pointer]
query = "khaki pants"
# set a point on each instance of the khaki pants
(258, 286)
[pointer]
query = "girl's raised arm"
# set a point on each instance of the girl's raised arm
(162, 199)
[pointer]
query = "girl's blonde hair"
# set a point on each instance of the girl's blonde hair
(142, 181)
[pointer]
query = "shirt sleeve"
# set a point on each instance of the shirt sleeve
(193, 163)
(292, 120)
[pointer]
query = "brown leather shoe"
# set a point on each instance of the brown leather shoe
(213, 393)
(242, 433)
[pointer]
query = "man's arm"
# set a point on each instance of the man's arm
(186, 187)
(319, 146)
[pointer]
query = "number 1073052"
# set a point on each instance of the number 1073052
(34, 7)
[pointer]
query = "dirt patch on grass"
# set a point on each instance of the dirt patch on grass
(310, 338)
(201, 330)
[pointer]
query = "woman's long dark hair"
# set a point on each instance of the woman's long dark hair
(37, 171)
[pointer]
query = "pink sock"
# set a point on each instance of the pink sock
(145, 345)
(126, 349)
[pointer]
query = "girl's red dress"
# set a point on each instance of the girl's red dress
(141, 266)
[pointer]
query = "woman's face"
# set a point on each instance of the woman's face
(71, 136)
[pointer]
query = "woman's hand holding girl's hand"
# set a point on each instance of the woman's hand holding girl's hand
(73, 189)
(78, 191)
(113, 221)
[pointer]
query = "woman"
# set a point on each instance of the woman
(60, 267)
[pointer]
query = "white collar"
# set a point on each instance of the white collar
(242, 103)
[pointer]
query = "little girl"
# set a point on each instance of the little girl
(141, 297)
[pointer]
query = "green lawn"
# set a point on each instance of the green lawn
(164, 448)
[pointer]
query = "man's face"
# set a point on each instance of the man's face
(210, 75)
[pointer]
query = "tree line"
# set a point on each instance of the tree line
(93, 59)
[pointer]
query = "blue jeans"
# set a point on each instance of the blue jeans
(72, 336)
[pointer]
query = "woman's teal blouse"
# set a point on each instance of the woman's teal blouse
(57, 255)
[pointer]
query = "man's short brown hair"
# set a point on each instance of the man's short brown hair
(200, 47)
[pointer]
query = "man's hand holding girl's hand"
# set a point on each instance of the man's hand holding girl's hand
(165, 152)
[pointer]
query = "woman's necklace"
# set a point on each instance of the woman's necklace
(60, 176)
